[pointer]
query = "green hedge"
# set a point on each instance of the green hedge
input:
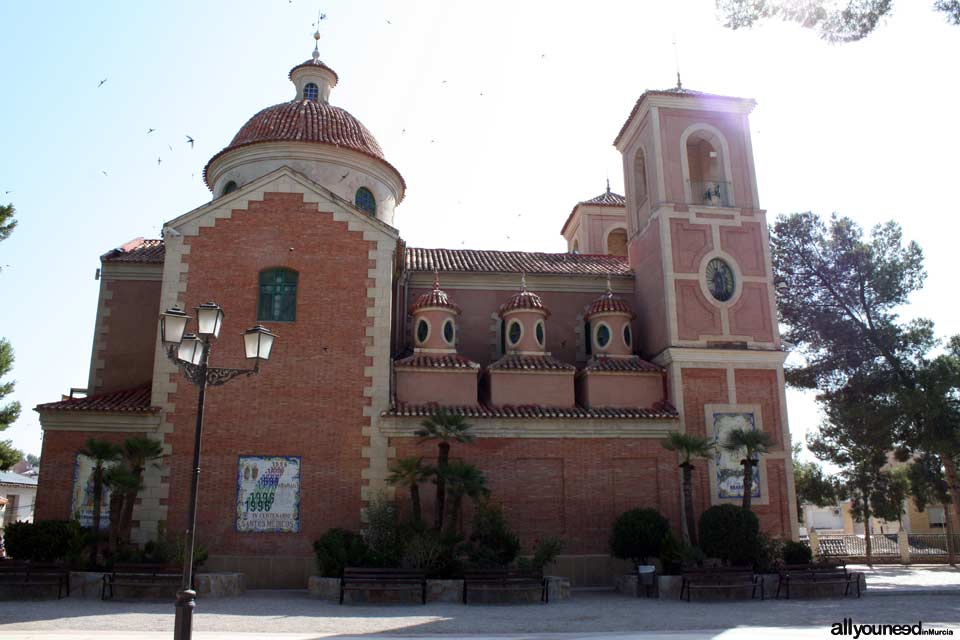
(44, 541)
(732, 534)
(638, 534)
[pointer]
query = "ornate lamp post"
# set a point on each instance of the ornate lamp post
(191, 353)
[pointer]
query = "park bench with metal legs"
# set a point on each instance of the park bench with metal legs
(816, 574)
(362, 579)
(505, 580)
(140, 576)
(719, 579)
(31, 574)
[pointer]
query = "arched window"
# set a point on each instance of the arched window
(617, 243)
(640, 177)
(230, 187)
(311, 92)
(365, 201)
(705, 167)
(278, 295)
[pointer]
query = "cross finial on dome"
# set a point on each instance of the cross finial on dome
(436, 280)
(523, 281)
(608, 185)
(316, 37)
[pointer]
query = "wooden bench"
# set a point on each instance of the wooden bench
(721, 578)
(816, 574)
(505, 580)
(359, 579)
(30, 574)
(139, 575)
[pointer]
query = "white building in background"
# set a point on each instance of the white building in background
(20, 492)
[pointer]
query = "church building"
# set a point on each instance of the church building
(571, 367)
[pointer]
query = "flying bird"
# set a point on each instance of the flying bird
(170, 147)
(402, 132)
(101, 83)
(104, 172)
(190, 140)
(159, 161)
(388, 22)
(149, 131)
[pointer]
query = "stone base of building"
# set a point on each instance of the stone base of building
(88, 585)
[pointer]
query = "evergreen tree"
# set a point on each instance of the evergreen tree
(9, 412)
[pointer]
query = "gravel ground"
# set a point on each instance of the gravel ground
(294, 612)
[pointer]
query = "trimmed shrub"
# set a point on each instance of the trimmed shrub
(730, 533)
(769, 554)
(339, 548)
(491, 542)
(44, 541)
(677, 555)
(383, 535)
(796, 553)
(638, 534)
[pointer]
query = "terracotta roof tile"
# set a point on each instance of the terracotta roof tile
(313, 64)
(676, 92)
(137, 250)
(632, 364)
(536, 412)
(480, 261)
(606, 199)
(609, 303)
(526, 300)
(519, 362)
(436, 297)
(436, 361)
(135, 400)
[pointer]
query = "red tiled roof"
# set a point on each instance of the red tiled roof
(675, 92)
(436, 361)
(519, 362)
(479, 261)
(313, 64)
(525, 300)
(606, 199)
(621, 364)
(436, 297)
(310, 121)
(609, 303)
(137, 250)
(136, 400)
(531, 411)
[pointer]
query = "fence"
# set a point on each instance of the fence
(886, 548)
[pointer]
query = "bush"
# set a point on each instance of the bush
(796, 553)
(546, 551)
(44, 541)
(730, 533)
(427, 551)
(638, 534)
(676, 555)
(491, 542)
(339, 548)
(769, 554)
(382, 535)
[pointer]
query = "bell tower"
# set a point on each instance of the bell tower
(699, 248)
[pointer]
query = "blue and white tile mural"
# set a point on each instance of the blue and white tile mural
(729, 469)
(268, 494)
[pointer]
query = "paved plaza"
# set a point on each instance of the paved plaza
(896, 595)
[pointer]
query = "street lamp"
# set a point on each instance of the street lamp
(191, 352)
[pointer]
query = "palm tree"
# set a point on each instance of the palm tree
(752, 443)
(122, 484)
(410, 472)
(463, 480)
(689, 447)
(445, 428)
(138, 451)
(102, 453)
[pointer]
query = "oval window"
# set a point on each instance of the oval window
(603, 335)
(720, 280)
(514, 332)
(540, 333)
(448, 331)
(627, 335)
(423, 330)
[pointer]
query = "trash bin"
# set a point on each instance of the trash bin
(646, 578)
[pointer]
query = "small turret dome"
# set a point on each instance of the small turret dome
(524, 300)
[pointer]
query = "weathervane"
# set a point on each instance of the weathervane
(316, 36)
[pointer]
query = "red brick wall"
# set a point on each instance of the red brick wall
(128, 335)
(57, 460)
(573, 488)
(307, 401)
(701, 387)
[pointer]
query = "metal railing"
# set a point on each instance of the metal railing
(710, 193)
(925, 545)
(854, 546)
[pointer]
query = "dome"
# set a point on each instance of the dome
(306, 121)
(524, 301)
(435, 298)
(609, 303)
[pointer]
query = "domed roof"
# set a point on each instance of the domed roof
(305, 121)
(609, 303)
(435, 298)
(313, 64)
(524, 300)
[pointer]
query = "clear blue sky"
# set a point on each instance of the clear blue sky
(866, 129)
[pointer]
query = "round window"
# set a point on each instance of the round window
(539, 332)
(603, 335)
(627, 335)
(423, 330)
(448, 331)
(720, 280)
(514, 332)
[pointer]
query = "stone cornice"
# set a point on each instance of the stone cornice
(720, 357)
(396, 426)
